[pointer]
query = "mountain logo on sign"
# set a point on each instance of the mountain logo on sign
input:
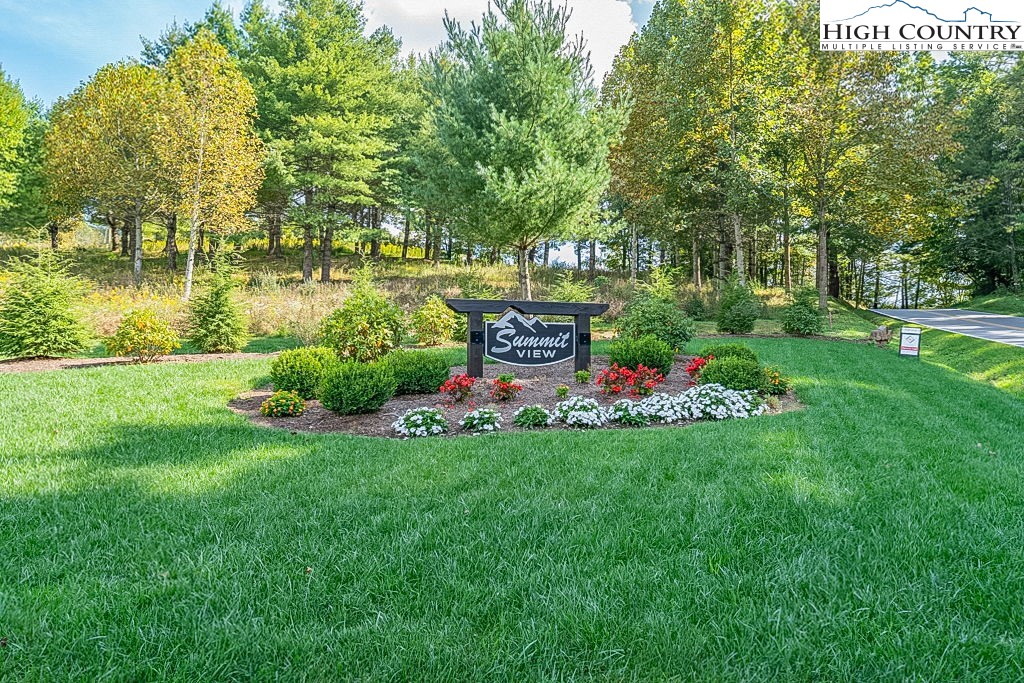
(517, 340)
(908, 11)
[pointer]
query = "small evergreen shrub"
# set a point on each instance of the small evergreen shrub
(356, 388)
(533, 417)
(217, 323)
(367, 326)
(648, 351)
(37, 312)
(661, 284)
(417, 372)
(738, 374)
(730, 351)
(739, 308)
(434, 323)
(283, 404)
(143, 336)
(649, 315)
(803, 317)
(301, 370)
(420, 422)
(570, 288)
(695, 308)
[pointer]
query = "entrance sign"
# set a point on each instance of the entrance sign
(910, 342)
(517, 340)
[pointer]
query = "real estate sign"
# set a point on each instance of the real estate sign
(910, 342)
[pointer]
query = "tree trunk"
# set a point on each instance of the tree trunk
(1014, 262)
(126, 237)
(427, 242)
(697, 275)
(436, 248)
(274, 231)
(54, 229)
(737, 241)
(547, 254)
(835, 289)
(592, 265)
(634, 250)
(821, 266)
(112, 223)
(137, 246)
(326, 252)
(469, 255)
(193, 248)
(525, 292)
(405, 236)
(876, 299)
(171, 242)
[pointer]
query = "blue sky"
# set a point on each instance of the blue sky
(50, 46)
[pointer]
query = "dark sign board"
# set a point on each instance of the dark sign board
(516, 340)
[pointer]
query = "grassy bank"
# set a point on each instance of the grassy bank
(151, 534)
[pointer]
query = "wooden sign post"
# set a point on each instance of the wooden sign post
(516, 340)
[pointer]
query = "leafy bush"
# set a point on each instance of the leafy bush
(648, 315)
(367, 326)
(434, 323)
(648, 351)
(505, 388)
(418, 372)
(570, 288)
(776, 384)
(301, 370)
(739, 308)
(738, 374)
(729, 351)
(217, 323)
(562, 391)
(803, 317)
(283, 404)
(582, 376)
(143, 336)
(695, 308)
(533, 417)
(356, 388)
(661, 284)
(582, 413)
(420, 422)
(37, 313)
(458, 388)
(482, 420)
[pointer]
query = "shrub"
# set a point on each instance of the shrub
(366, 327)
(420, 422)
(283, 404)
(629, 413)
(482, 420)
(217, 323)
(776, 384)
(533, 417)
(738, 374)
(37, 312)
(143, 336)
(583, 376)
(418, 372)
(582, 413)
(648, 351)
(562, 391)
(356, 388)
(458, 388)
(739, 308)
(648, 315)
(803, 317)
(720, 351)
(661, 284)
(434, 323)
(301, 370)
(569, 288)
(695, 308)
(505, 388)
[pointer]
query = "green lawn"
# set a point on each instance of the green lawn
(149, 534)
(1005, 303)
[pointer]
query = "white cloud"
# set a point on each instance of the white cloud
(605, 24)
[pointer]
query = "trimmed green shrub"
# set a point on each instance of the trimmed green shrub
(434, 323)
(142, 335)
(300, 370)
(695, 308)
(739, 308)
(730, 351)
(803, 317)
(37, 313)
(648, 315)
(417, 372)
(217, 322)
(648, 351)
(367, 326)
(740, 374)
(356, 388)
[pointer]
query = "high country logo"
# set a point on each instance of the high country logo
(520, 341)
(909, 25)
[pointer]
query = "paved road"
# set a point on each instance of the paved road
(1007, 329)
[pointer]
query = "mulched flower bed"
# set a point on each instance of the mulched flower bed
(538, 389)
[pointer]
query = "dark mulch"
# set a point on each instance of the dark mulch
(538, 389)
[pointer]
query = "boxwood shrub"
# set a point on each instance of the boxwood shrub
(417, 372)
(648, 351)
(730, 351)
(301, 370)
(356, 388)
(739, 374)
(647, 315)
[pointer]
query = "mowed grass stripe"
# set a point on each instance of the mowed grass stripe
(873, 535)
